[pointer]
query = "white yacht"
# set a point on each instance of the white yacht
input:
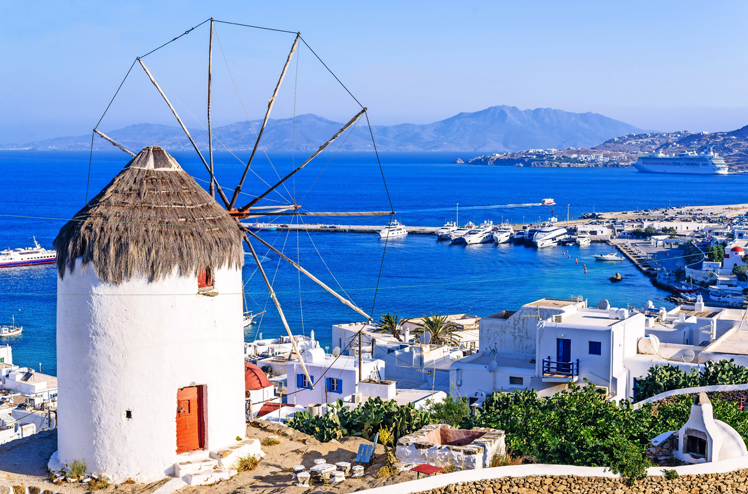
(394, 229)
(583, 239)
(445, 232)
(688, 162)
(504, 234)
(461, 231)
(478, 235)
(548, 236)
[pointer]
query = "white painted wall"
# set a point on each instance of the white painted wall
(131, 347)
(6, 355)
(345, 369)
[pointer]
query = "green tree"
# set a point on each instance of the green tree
(741, 271)
(716, 253)
(637, 233)
(442, 332)
(649, 231)
(390, 323)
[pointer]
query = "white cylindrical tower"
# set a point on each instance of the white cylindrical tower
(149, 324)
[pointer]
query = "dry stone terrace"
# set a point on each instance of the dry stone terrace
(733, 482)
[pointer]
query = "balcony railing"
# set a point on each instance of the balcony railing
(552, 368)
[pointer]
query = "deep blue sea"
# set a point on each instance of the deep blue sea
(418, 276)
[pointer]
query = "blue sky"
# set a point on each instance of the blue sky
(661, 65)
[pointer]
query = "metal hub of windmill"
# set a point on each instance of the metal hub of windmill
(253, 209)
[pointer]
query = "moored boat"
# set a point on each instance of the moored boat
(444, 232)
(685, 288)
(583, 240)
(504, 234)
(548, 236)
(394, 229)
(248, 318)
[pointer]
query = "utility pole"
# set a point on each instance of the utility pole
(360, 358)
(567, 213)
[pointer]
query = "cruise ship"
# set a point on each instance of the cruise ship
(689, 162)
(27, 257)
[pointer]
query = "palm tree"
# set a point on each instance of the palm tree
(390, 323)
(442, 332)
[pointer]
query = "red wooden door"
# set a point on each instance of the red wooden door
(190, 434)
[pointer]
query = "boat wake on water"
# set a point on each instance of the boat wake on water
(492, 206)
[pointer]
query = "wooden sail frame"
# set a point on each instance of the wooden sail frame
(251, 210)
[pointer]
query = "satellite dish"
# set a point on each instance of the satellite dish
(336, 352)
(649, 305)
(688, 356)
(492, 366)
(425, 338)
(603, 305)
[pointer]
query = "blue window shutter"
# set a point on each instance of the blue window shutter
(340, 386)
(299, 381)
(329, 384)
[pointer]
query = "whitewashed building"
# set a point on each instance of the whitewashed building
(550, 343)
(336, 378)
(149, 324)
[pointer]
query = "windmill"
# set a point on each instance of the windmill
(229, 198)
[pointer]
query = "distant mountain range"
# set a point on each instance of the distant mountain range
(496, 129)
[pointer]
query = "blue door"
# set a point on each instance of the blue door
(563, 355)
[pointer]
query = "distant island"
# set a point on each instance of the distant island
(495, 129)
(624, 151)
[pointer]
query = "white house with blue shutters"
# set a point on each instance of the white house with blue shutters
(335, 378)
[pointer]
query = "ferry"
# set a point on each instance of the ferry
(688, 162)
(11, 330)
(30, 256)
(548, 202)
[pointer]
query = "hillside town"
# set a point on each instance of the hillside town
(209, 288)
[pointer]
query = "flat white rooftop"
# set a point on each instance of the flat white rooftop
(731, 342)
(589, 317)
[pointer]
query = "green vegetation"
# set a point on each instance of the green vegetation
(671, 474)
(76, 469)
(650, 230)
(741, 271)
(663, 378)
(390, 323)
(442, 332)
(716, 253)
(98, 484)
(364, 420)
(577, 426)
(670, 230)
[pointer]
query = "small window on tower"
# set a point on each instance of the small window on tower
(205, 280)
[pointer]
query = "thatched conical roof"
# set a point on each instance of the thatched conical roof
(151, 217)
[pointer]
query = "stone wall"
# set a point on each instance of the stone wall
(443, 446)
(662, 453)
(726, 483)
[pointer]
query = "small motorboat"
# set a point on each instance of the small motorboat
(583, 240)
(11, 330)
(608, 257)
(685, 288)
(248, 318)
(548, 202)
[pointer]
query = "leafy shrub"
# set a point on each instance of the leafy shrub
(671, 474)
(453, 411)
(76, 469)
(365, 420)
(661, 378)
(246, 463)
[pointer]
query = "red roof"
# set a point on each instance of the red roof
(737, 249)
(254, 378)
(271, 407)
